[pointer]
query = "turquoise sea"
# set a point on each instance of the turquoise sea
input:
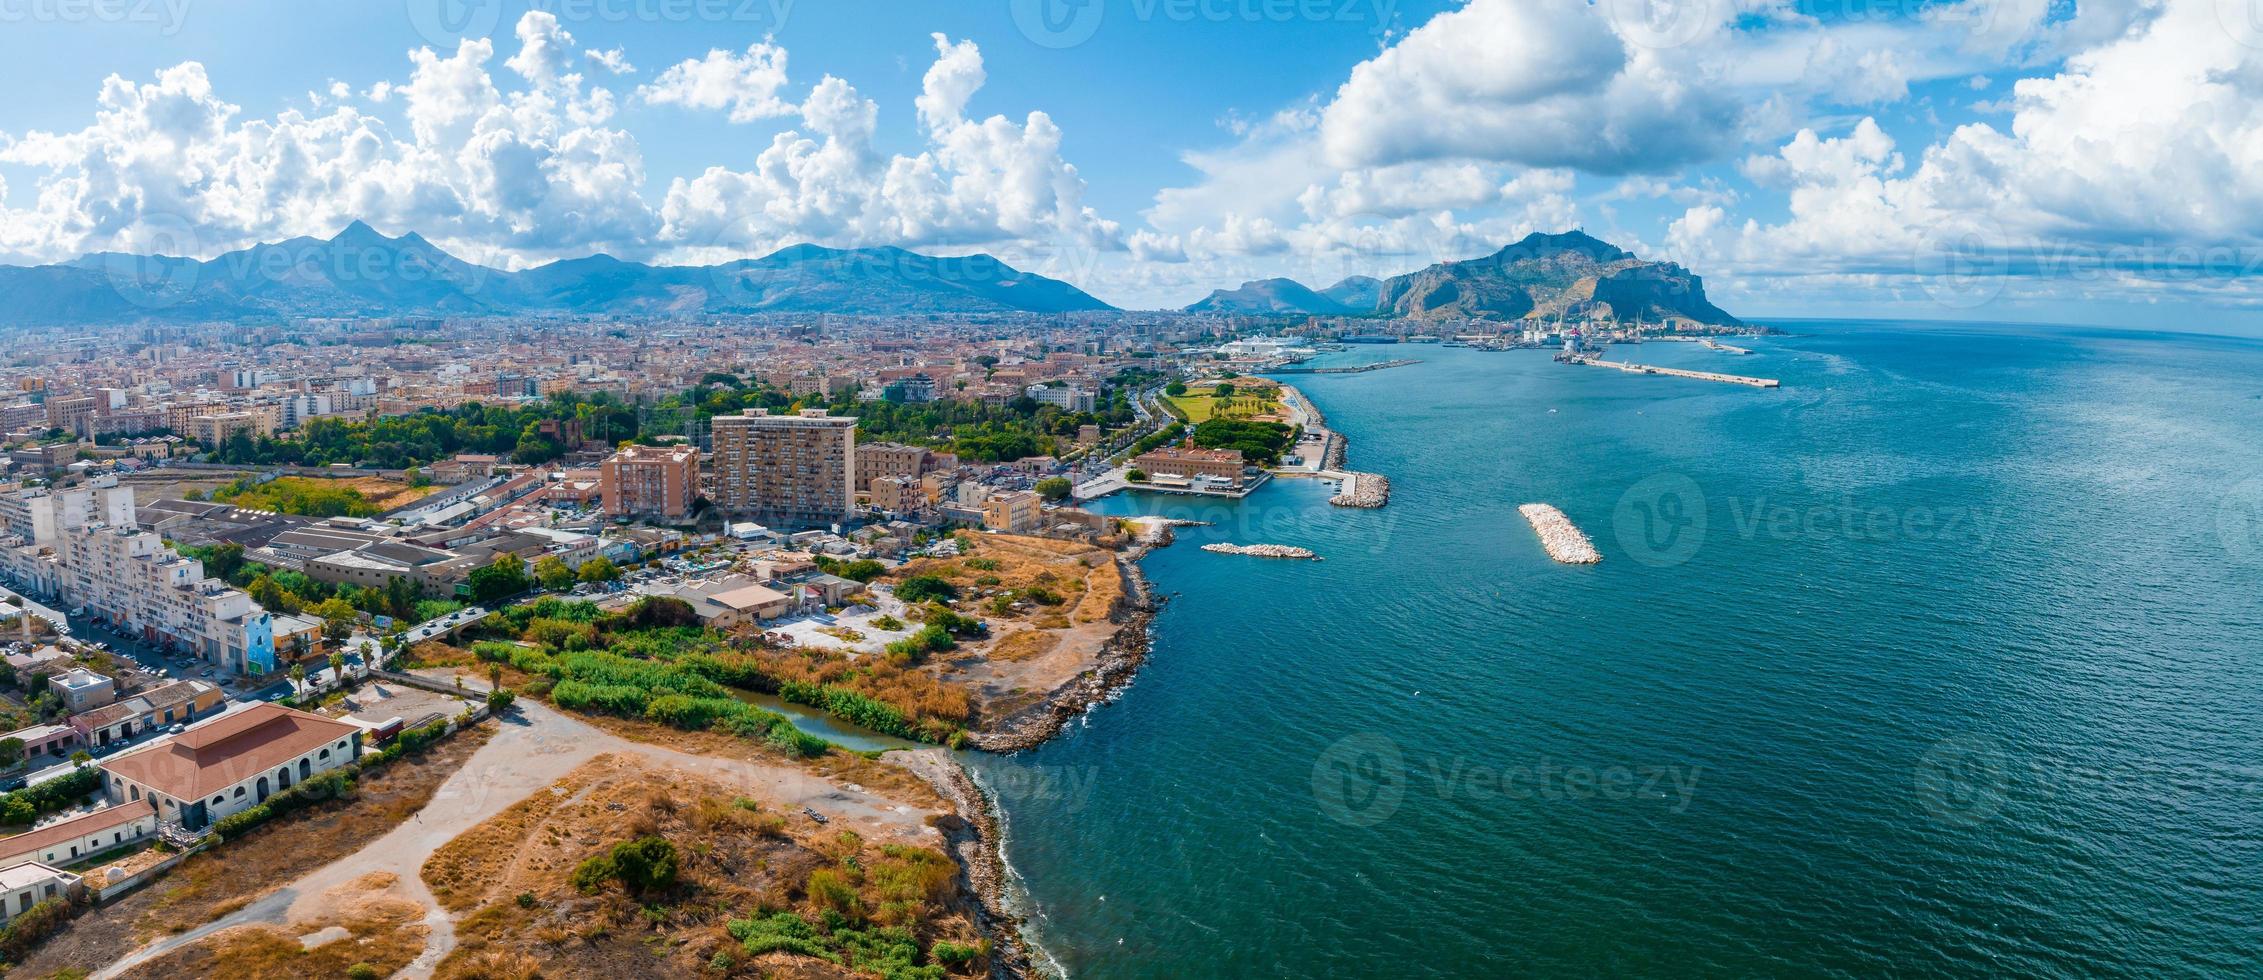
(1944, 659)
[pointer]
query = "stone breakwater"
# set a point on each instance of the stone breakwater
(1262, 551)
(1118, 661)
(1563, 539)
(1368, 490)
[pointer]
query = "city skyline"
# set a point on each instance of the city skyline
(1935, 162)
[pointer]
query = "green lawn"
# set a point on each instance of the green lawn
(1198, 406)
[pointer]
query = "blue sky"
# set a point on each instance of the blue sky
(2000, 159)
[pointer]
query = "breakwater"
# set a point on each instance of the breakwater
(1735, 379)
(1563, 539)
(1352, 369)
(1262, 551)
(1363, 490)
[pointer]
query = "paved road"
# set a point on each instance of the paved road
(529, 751)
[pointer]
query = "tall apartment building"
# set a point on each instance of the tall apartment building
(650, 481)
(796, 470)
(83, 547)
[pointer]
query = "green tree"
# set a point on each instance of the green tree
(401, 596)
(553, 573)
(1135, 476)
(598, 569)
(924, 588)
(1055, 488)
(338, 666)
(1175, 389)
(298, 676)
(338, 617)
(500, 579)
(11, 751)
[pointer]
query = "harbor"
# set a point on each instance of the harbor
(1564, 540)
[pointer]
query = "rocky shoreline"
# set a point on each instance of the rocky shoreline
(1119, 659)
(976, 842)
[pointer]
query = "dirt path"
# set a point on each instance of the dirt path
(532, 750)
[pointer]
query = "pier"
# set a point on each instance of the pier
(1366, 491)
(1353, 369)
(1735, 379)
(1563, 539)
(1711, 344)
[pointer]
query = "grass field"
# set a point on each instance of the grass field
(361, 496)
(1250, 400)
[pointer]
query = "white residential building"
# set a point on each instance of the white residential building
(81, 546)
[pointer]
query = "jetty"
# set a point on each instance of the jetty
(1363, 490)
(1563, 539)
(1735, 379)
(1353, 369)
(1263, 551)
(1711, 344)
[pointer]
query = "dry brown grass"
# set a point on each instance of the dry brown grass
(887, 779)
(383, 931)
(461, 871)
(736, 855)
(1022, 645)
(387, 494)
(216, 882)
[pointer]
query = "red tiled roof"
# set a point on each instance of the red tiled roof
(227, 750)
(87, 825)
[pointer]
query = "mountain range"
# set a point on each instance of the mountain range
(362, 272)
(1572, 275)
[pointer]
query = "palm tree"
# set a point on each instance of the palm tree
(298, 677)
(338, 666)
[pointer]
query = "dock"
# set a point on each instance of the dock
(1564, 540)
(1711, 344)
(1350, 369)
(1735, 379)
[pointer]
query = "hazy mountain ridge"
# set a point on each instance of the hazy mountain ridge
(361, 272)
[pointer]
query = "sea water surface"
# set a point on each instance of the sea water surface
(1944, 658)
